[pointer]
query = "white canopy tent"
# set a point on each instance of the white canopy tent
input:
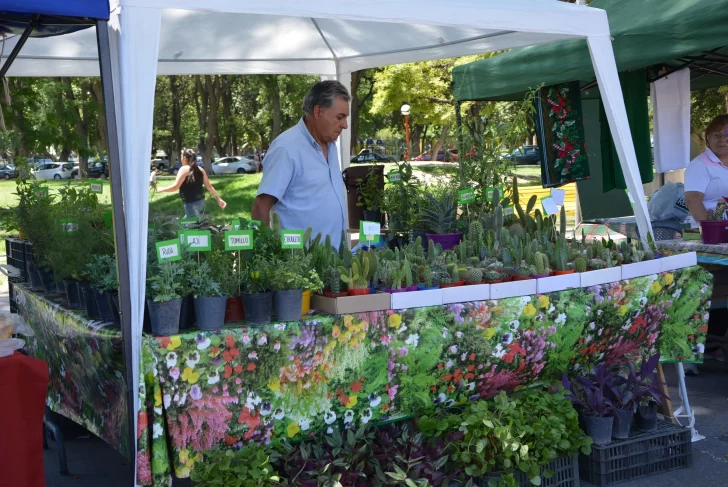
(326, 37)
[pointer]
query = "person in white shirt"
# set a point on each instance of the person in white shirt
(706, 178)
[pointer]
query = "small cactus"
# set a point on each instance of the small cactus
(455, 274)
(431, 252)
(580, 264)
(589, 253)
(333, 279)
(492, 276)
(407, 269)
(541, 264)
(441, 277)
(474, 275)
(427, 278)
(450, 268)
(474, 261)
(523, 271)
(596, 264)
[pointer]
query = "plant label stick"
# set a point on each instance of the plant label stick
(239, 240)
(292, 239)
(199, 240)
(96, 187)
(168, 251)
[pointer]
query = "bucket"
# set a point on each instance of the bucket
(46, 277)
(34, 277)
(210, 312)
(165, 317)
(73, 298)
(234, 310)
(714, 233)
(187, 313)
(103, 304)
(288, 304)
(60, 288)
(306, 302)
(446, 240)
(622, 424)
(258, 308)
(89, 300)
(599, 428)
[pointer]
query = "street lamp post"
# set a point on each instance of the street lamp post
(406, 112)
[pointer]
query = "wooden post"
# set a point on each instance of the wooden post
(666, 408)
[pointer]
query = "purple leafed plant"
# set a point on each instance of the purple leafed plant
(592, 392)
(647, 387)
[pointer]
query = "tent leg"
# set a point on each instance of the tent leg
(119, 221)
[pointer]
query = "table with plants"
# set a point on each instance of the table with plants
(486, 319)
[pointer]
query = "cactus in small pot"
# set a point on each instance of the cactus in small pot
(450, 268)
(455, 274)
(441, 277)
(431, 255)
(427, 278)
(474, 275)
(333, 280)
(541, 264)
(407, 269)
(523, 271)
(561, 258)
(596, 264)
(473, 261)
(580, 264)
(492, 276)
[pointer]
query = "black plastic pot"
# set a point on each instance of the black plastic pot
(106, 313)
(187, 313)
(29, 256)
(34, 277)
(73, 298)
(622, 424)
(210, 312)
(372, 215)
(647, 417)
(113, 298)
(89, 299)
(165, 317)
(258, 308)
(599, 428)
(46, 277)
(288, 304)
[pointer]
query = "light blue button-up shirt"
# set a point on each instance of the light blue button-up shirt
(310, 189)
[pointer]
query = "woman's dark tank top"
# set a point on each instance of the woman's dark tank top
(192, 191)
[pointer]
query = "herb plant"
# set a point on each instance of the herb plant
(248, 467)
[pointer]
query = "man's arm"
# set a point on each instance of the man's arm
(262, 206)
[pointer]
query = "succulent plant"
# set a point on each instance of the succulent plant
(333, 279)
(509, 271)
(589, 253)
(523, 271)
(407, 270)
(596, 264)
(474, 275)
(428, 277)
(455, 274)
(441, 277)
(561, 258)
(438, 214)
(431, 254)
(462, 272)
(491, 276)
(473, 261)
(580, 264)
(541, 264)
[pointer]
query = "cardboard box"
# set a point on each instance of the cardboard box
(417, 299)
(647, 268)
(678, 261)
(602, 276)
(513, 289)
(351, 304)
(558, 283)
(466, 294)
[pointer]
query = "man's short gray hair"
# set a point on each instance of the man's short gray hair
(324, 94)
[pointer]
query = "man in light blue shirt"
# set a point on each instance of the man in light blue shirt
(301, 176)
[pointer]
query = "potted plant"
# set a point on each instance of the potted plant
(439, 216)
(592, 394)
(647, 394)
(102, 277)
(523, 273)
(333, 283)
(371, 196)
(224, 270)
(540, 268)
(256, 293)
(622, 396)
(493, 277)
(248, 467)
(209, 300)
(165, 301)
(356, 276)
(714, 230)
(289, 277)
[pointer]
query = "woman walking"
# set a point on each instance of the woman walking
(189, 182)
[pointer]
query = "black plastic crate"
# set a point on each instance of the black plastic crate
(641, 455)
(11, 293)
(565, 472)
(16, 248)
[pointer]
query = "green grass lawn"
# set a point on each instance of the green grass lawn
(237, 190)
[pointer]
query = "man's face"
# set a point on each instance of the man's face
(329, 122)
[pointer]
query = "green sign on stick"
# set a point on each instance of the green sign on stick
(96, 187)
(489, 193)
(369, 231)
(466, 196)
(235, 224)
(394, 176)
(41, 192)
(199, 240)
(69, 226)
(239, 240)
(292, 239)
(168, 251)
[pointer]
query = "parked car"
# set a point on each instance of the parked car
(96, 170)
(161, 163)
(54, 170)
(175, 169)
(372, 157)
(8, 171)
(442, 156)
(526, 154)
(234, 165)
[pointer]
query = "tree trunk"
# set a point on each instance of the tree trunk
(415, 140)
(275, 100)
(440, 142)
(230, 143)
(212, 86)
(174, 87)
(355, 106)
(98, 97)
(81, 125)
(201, 105)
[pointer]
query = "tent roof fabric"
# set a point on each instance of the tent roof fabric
(645, 33)
(93, 9)
(320, 38)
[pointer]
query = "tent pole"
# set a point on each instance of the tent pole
(119, 222)
(21, 42)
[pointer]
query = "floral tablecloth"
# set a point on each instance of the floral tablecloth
(86, 365)
(237, 385)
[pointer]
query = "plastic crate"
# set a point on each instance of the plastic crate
(641, 455)
(565, 474)
(11, 293)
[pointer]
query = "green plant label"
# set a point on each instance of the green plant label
(466, 196)
(108, 219)
(192, 219)
(235, 224)
(168, 251)
(254, 224)
(549, 205)
(369, 231)
(394, 176)
(239, 240)
(199, 240)
(181, 236)
(42, 192)
(96, 187)
(508, 210)
(292, 239)
(489, 193)
(69, 226)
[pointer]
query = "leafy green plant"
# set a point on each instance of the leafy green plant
(202, 283)
(166, 284)
(294, 272)
(255, 276)
(248, 467)
(371, 194)
(440, 212)
(101, 272)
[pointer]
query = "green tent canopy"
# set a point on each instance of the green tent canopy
(647, 33)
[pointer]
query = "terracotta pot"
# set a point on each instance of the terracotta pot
(452, 284)
(358, 292)
(234, 310)
(522, 278)
(562, 273)
(494, 282)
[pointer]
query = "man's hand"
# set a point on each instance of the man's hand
(262, 206)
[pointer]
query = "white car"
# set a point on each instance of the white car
(54, 170)
(234, 165)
